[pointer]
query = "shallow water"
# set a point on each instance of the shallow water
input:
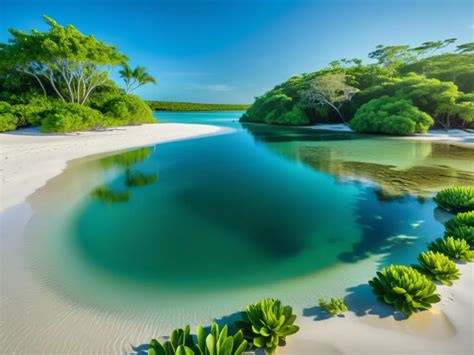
(194, 230)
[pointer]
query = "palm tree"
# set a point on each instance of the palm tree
(134, 78)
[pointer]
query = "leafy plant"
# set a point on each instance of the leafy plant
(437, 266)
(461, 227)
(457, 249)
(334, 307)
(405, 288)
(180, 343)
(456, 199)
(219, 343)
(267, 323)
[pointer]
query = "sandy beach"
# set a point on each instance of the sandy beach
(30, 159)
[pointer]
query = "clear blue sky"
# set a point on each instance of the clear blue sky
(229, 51)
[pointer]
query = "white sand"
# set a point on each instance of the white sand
(28, 159)
(40, 321)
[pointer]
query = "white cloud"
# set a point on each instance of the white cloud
(211, 87)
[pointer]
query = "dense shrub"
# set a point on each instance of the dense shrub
(456, 249)
(334, 307)
(8, 121)
(456, 199)
(67, 117)
(438, 267)
(391, 115)
(34, 110)
(266, 323)
(128, 109)
(405, 288)
(462, 227)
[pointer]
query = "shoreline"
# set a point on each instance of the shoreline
(445, 329)
(29, 158)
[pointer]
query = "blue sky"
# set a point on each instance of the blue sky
(229, 51)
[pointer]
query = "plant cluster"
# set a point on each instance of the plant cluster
(334, 307)
(191, 106)
(456, 249)
(438, 266)
(461, 227)
(267, 323)
(59, 80)
(456, 199)
(407, 91)
(405, 288)
(213, 343)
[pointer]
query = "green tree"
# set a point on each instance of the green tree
(465, 48)
(62, 59)
(134, 78)
(390, 115)
(432, 46)
(329, 90)
(392, 56)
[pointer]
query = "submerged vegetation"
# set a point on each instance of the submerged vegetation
(59, 80)
(404, 92)
(192, 106)
(107, 195)
(405, 288)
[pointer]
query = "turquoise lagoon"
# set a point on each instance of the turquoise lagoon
(190, 231)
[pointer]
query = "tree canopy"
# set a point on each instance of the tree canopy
(439, 85)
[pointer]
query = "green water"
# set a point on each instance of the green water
(262, 211)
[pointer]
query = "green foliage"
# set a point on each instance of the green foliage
(35, 110)
(190, 106)
(215, 343)
(334, 307)
(456, 249)
(134, 78)
(129, 109)
(461, 227)
(180, 343)
(67, 117)
(219, 342)
(391, 115)
(436, 85)
(405, 288)
(140, 179)
(267, 323)
(438, 267)
(8, 121)
(456, 199)
(107, 195)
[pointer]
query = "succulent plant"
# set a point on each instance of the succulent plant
(462, 227)
(453, 248)
(437, 266)
(334, 307)
(180, 343)
(405, 288)
(219, 343)
(267, 323)
(456, 199)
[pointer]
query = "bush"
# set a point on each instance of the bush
(67, 117)
(438, 267)
(462, 227)
(456, 199)
(267, 323)
(334, 307)
(8, 121)
(391, 115)
(129, 109)
(35, 110)
(405, 288)
(214, 343)
(457, 249)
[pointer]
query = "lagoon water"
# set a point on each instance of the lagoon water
(191, 231)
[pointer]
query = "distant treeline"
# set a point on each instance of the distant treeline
(191, 106)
